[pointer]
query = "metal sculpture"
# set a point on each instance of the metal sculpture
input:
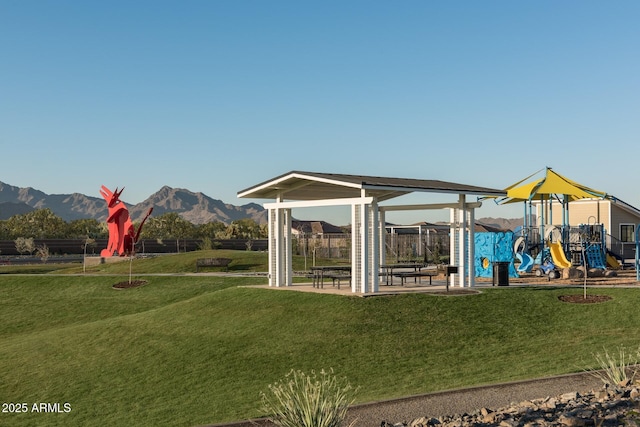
(122, 234)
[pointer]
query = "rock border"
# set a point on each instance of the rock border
(609, 406)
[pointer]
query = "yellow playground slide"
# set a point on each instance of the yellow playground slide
(613, 262)
(557, 254)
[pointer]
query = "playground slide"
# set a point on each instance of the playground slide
(613, 262)
(557, 254)
(527, 263)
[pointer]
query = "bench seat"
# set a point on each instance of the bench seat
(403, 275)
(212, 262)
(337, 278)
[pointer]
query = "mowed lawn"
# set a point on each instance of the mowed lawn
(188, 351)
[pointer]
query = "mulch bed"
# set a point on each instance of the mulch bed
(129, 284)
(580, 299)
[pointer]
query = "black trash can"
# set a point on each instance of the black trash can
(501, 273)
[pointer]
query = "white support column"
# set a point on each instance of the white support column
(287, 249)
(472, 248)
(365, 231)
(280, 246)
(374, 247)
(382, 237)
(453, 242)
(356, 249)
(273, 252)
(365, 246)
(276, 247)
(280, 253)
(462, 250)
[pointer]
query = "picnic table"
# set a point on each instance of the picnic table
(333, 272)
(403, 275)
(402, 270)
(387, 269)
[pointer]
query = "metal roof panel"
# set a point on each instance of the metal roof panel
(300, 185)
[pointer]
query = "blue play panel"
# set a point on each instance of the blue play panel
(491, 248)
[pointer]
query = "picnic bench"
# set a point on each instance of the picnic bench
(212, 262)
(334, 272)
(387, 270)
(337, 277)
(403, 275)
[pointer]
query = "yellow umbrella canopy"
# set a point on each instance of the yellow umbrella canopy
(553, 184)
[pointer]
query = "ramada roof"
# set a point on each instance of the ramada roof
(299, 185)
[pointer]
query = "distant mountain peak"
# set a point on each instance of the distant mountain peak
(502, 223)
(197, 208)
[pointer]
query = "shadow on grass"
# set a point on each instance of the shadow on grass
(244, 267)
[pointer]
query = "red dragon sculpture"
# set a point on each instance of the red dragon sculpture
(122, 234)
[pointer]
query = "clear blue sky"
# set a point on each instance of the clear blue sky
(216, 96)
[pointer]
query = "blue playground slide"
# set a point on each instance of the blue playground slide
(526, 262)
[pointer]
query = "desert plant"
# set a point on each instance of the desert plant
(618, 369)
(25, 245)
(301, 400)
(43, 252)
(205, 244)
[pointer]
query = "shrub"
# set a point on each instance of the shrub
(25, 245)
(614, 369)
(43, 252)
(301, 400)
(205, 244)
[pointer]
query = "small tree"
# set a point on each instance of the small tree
(205, 244)
(437, 247)
(43, 252)
(25, 245)
(244, 229)
(169, 226)
(87, 242)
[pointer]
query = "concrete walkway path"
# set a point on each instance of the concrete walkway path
(455, 401)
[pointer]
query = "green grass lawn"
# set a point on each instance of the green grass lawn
(194, 350)
(243, 261)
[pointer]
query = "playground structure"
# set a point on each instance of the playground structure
(546, 246)
(582, 245)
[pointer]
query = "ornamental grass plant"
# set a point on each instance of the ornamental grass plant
(617, 369)
(314, 400)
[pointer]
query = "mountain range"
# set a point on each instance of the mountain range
(196, 208)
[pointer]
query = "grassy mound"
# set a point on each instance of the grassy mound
(198, 350)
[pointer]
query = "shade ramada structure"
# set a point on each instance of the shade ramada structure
(298, 189)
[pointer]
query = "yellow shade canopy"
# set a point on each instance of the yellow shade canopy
(553, 184)
(523, 192)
